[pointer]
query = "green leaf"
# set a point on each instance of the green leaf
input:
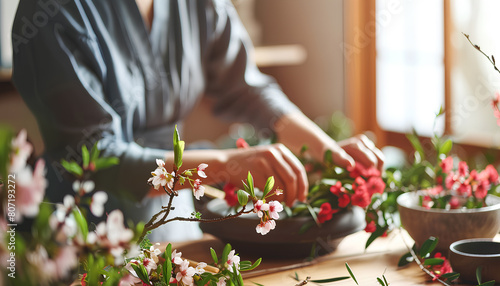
(168, 252)
(313, 214)
(225, 252)
(433, 261)
(167, 270)
(478, 274)
(72, 167)
(104, 163)
(269, 186)
(250, 184)
(445, 148)
(450, 276)
(306, 226)
(428, 246)
(85, 157)
(94, 153)
(178, 148)
(6, 136)
(415, 142)
(242, 197)
(81, 223)
(214, 255)
(489, 283)
(328, 280)
(405, 259)
(350, 273)
(141, 272)
(385, 280)
(251, 267)
(377, 233)
(380, 281)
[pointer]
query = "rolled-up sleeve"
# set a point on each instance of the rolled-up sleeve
(240, 91)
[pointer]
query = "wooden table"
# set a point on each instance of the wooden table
(379, 259)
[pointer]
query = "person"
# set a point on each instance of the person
(124, 73)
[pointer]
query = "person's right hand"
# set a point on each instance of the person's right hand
(265, 161)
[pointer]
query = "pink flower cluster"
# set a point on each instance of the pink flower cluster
(367, 182)
(465, 183)
(268, 213)
(162, 178)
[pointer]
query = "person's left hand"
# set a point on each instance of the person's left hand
(363, 151)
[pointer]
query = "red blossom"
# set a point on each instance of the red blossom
(375, 185)
(326, 212)
(440, 270)
(359, 182)
(337, 188)
(344, 200)
(360, 170)
(231, 197)
(361, 198)
(434, 191)
(82, 281)
(371, 227)
(454, 203)
(427, 202)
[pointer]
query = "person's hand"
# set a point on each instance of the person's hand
(362, 150)
(265, 161)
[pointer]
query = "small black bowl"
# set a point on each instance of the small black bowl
(469, 254)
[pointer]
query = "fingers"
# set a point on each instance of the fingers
(302, 184)
(363, 150)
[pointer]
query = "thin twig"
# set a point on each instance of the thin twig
(492, 59)
(304, 282)
(419, 263)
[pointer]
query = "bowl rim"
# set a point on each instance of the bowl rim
(470, 240)
(404, 198)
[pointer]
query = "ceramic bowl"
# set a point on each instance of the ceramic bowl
(467, 255)
(285, 241)
(448, 225)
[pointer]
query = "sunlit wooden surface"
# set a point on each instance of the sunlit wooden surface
(379, 259)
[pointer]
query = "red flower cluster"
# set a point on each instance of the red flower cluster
(231, 196)
(367, 182)
(440, 269)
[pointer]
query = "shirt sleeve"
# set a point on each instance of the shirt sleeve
(240, 91)
(59, 71)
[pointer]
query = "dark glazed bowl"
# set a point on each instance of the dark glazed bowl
(285, 241)
(448, 225)
(467, 255)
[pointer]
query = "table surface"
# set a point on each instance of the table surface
(381, 258)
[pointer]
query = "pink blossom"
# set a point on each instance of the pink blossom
(259, 207)
(149, 264)
(450, 180)
(447, 164)
(241, 143)
(265, 227)
(129, 280)
(97, 204)
(490, 174)
(186, 272)
(161, 178)
(222, 281)
(84, 187)
(201, 170)
(198, 189)
(464, 189)
(434, 191)
(233, 261)
(21, 151)
(200, 268)
(30, 190)
(274, 208)
(278, 192)
(176, 257)
(481, 189)
(160, 163)
(496, 113)
(463, 169)
(454, 203)
(66, 260)
(427, 202)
